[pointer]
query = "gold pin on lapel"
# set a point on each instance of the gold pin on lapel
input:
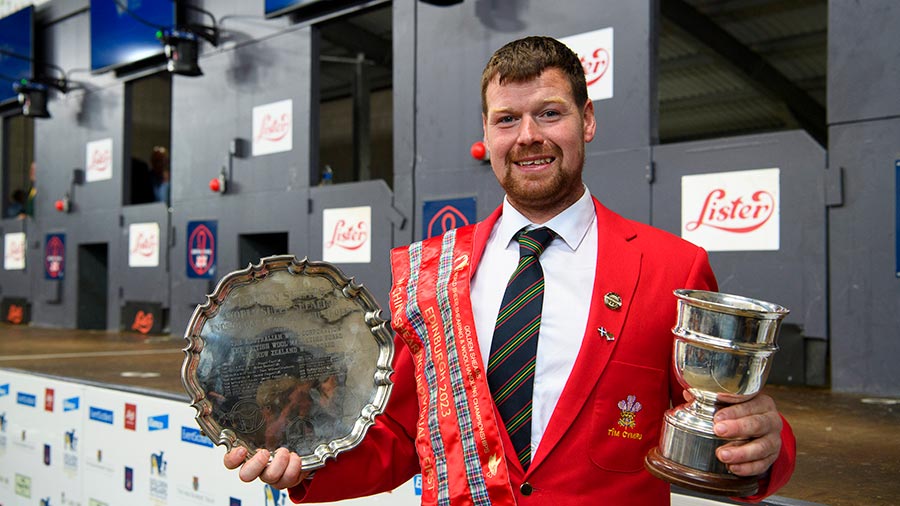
(606, 334)
(613, 300)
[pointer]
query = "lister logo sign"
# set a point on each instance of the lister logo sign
(272, 125)
(347, 235)
(143, 245)
(98, 160)
(595, 49)
(732, 211)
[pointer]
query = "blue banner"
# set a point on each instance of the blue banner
(439, 216)
(201, 249)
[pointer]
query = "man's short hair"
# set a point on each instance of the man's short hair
(525, 59)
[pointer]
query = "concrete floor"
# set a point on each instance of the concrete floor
(848, 445)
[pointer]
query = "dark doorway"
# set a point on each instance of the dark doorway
(253, 247)
(93, 268)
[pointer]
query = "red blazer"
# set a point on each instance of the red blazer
(585, 457)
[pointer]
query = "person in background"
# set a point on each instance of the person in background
(16, 204)
(602, 331)
(159, 174)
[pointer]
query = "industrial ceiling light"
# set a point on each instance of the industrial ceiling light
(32, 98)
(182, 47)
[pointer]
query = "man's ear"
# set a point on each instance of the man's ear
(590, 122)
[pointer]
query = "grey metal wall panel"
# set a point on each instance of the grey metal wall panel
(864, 289)
(619, 180)
(795, 275)
(863, 60)
(145, 284)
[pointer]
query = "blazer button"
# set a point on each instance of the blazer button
(526, 488)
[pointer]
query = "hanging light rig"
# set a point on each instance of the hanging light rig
(182, 47)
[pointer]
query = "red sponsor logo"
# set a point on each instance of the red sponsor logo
(16, 314)
(48, 399)
(595, 65)
(143, 322)
(54, 257)
(130, 416)
(734, 214)
(348, 235)
(145, 244)
(274, 129)
(100, 159)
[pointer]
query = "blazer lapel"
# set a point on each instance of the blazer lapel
(618, 268)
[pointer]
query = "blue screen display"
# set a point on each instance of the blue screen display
(121, 36)
(279, 7)
(16, 32)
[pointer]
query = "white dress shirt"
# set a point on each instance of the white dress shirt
(569, 264)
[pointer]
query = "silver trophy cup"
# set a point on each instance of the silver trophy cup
(722, 355)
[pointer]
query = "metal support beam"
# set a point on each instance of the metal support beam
(769, 80)
(362, 138)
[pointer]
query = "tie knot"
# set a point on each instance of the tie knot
(533, 242)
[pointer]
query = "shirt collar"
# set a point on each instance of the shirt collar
(571, 225)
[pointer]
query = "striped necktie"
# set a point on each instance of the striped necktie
(511, 363)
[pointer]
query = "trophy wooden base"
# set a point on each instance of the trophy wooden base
(700, 481)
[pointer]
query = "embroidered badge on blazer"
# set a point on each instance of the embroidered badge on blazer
(629, 408)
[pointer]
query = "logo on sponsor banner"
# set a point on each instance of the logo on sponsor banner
(23, 486)
(95, 502)
(158, 464)
(98, 160)
(346, 234)
(101, 415)
(16, 314)
(99, 455)
(71, 442)
(14, 251)
(48, 399)
(417, 484)
(46, 454)
(26, 399)
(159, 487)
(731, 211)
(234, 501)
(143, 322)
(55, 256)
(4, 390)
(143, 245)
(196, 483)
(130, 416)
(191, 435)
(3, 422)
(595, 50)
(158, 422)
(272, 128)
(71, 404)
(439, 216)
(45, 501)
(274, 497)
(129, 479)
(201, 246)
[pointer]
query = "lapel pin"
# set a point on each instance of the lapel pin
(613, 300)
(604, 333)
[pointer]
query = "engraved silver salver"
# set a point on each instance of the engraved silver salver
(288, 353)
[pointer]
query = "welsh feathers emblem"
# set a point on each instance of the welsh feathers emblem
(629, 407)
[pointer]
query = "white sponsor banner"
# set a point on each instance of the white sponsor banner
(98, 160)
(143, 245)
(596, 52)
(272, 128)
(14, 251)
(347, 235)
(732, 211)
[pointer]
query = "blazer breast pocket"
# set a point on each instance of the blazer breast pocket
(627, 416)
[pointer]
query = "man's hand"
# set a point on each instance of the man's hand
(284, 471)
(756, 420)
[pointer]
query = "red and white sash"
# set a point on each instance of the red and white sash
(458, 438)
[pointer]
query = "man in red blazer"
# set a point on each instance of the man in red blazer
(608, 277)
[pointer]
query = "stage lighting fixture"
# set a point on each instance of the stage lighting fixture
(32, 98)
(182, 50)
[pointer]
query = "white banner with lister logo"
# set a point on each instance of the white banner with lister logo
(143, 245)
(98, 160)
(347, 235)
(732, 211)
(272, 128)
(596, 52)
(14, 251)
